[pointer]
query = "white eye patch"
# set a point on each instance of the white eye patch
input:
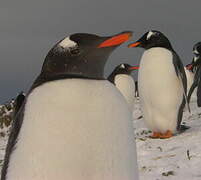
(150, 34)
(195, 51)
(122, 66)
(67, 43)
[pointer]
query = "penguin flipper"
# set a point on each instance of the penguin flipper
(15, 129)
(199, 94)
(180, 114)
(197, 80)
(111, 77)
(191, 90)
(18, 103)
(179, 68)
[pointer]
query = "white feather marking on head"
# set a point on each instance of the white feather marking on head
(66, 43)
(195, 51)
(150, 34)
(122, 66)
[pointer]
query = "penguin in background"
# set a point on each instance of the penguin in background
(195, 67)
(162, 84)
(122, 79)
(73, 124)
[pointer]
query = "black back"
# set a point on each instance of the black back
(179, 68)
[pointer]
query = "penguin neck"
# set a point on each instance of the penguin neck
(80, 70)
(162, 45)
(93, 69)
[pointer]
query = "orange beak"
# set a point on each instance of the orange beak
(134, 67)
(116, 40)
(134, 44)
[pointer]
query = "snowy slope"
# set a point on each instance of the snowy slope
(177, 158)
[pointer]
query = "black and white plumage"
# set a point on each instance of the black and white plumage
(65, 129)
(122, 79)
(162, 84)
(195, 67)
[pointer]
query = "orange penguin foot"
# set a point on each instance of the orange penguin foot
(155, 135)
(166, 135)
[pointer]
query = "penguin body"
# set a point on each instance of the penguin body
(162, 85)
(195, 67)
(65, 129)
(122, 79)
(160, 90)
(82, 146)
(126, 85)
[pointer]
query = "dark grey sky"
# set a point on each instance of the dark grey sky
(30, 28)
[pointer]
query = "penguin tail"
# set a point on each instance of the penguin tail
(183, 128)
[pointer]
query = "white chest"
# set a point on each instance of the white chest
(156, 61)
(126, 86)
(157, 71)
(75, 129)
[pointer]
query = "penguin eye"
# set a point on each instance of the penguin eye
(74, 51)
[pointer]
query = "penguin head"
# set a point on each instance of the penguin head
(152, 39)
(197, 53)
(124, 69)
(196, 59)
(197, 49)
(82, 54)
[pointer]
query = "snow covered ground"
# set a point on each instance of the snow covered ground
(177, 158)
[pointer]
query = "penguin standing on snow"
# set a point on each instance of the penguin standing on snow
(195, 67)
(66, 129)
(122, 79)
(162, 84)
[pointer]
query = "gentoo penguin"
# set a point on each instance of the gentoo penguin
(74, 124)
(162, 84)
(122, 79)
(195, 67)
(18, 102)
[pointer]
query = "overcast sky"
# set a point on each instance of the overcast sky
(30, 28)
